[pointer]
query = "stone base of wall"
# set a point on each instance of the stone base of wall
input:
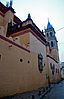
(35, 94)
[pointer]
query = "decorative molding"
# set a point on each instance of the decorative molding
(26, 31)
(52, 58)
(2, 14)
(6, 39)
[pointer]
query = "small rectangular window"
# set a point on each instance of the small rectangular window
(47, 35)
(56, 70)
(51, 66)
(0, 57)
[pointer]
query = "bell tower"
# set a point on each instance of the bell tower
(52, 40)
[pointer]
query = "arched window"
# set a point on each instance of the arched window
(47, 35)
(51, 43)
(50, 33)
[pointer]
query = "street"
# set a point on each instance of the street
(57, 92)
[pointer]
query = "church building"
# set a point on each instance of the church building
(29, 58)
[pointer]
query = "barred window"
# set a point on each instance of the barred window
(40, 62)
(51, 65)
(0, 57)
(52, 72)
(56, 70)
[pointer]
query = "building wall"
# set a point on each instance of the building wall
(8, 16)
(29, 41)
(5, 20)
(16, 76)
(1, 20)
(62, 73)
(55, 54)
(57, 75)
(1, 30)
(25, 40)
(36, 46)
(26, 23)
(62, 70)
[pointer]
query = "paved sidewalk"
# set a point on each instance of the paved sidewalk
(56, 93)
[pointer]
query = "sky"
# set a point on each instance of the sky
(41, 11)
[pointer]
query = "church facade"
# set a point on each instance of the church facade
(29, 59)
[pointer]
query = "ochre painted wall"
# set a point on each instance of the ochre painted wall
(57, 76)
(6, 19)
(55, 54)
(25, 40)
(1, 20)
(16, 76)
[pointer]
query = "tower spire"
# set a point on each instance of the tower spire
(7, 4)
(11, 2)
(48, 19)
(49, 25)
